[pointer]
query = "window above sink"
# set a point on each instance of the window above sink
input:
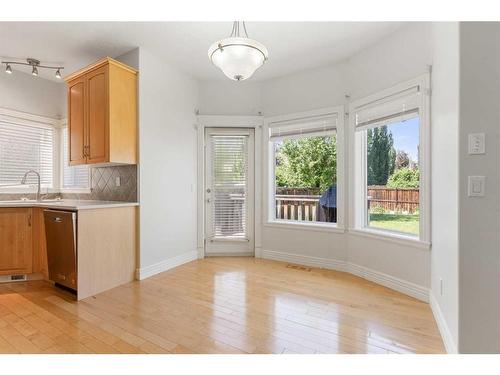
(38, 143)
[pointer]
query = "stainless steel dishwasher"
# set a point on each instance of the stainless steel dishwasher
(60, 232)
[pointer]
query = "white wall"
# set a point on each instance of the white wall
(230, 98)
(311, 89)
(444, 150)
(23, 92)
(479, 261)
(167, 172)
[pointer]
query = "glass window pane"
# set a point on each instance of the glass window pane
(24, 148)
(393, 177)
(306, 179)
(76, 177)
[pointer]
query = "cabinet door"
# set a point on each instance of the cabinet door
(16, 245)
(97, 113)
(76, 121)
(40, 264)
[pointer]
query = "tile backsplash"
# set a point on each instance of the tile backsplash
(104, 184)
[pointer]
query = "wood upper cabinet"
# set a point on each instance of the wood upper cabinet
(76, 121)
(98, 124)
(16, 246)
(102, 114)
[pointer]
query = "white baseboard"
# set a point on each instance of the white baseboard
(419, 292)
(444, 330)
(304, 260)
(165, 265)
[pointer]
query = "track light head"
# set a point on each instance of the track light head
(8, 69)
(34, 71)
(58, 74)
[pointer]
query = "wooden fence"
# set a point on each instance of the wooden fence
(303, 203)
(394, 200)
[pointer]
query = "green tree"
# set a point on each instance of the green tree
(381, 155)
(307, 162)
(404, 178)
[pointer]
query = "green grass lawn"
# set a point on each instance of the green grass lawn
(400, 223)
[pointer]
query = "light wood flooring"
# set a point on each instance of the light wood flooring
(220, 305)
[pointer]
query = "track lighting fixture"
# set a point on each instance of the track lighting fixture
(35, 65)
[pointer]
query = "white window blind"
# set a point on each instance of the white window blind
(309, 126)
(229, 172)
(76, 177)
(393, 108)
(22, 148)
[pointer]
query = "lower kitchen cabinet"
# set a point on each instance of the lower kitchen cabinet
(106, 246)
(16, 241)
(40, 264)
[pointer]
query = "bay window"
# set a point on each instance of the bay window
(303, 165)
(390, 161)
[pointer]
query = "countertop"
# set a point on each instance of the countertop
(68, 204)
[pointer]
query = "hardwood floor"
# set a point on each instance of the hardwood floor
(220, 305)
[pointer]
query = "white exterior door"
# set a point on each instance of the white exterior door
(229, 191)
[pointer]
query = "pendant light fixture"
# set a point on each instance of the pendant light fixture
(35, 65)
(238, 56)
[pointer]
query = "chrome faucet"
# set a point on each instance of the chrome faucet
(23, 182)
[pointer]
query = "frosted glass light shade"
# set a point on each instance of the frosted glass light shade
(237, 57)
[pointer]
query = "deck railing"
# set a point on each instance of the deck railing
(303, 204)
(297, 207)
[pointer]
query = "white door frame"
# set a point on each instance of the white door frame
(215, 121)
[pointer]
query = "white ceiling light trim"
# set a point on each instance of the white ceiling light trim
(238, 56)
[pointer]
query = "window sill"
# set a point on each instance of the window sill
(391, 237)
(26, 190)
(75, 191)
(284, 224)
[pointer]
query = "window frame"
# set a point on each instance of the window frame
(270, 178)
(61, 188)
(27, 119)
(358, 202)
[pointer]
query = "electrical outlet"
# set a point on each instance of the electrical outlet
(441, 286)
(117, 181)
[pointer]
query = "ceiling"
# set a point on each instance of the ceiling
(293, 46)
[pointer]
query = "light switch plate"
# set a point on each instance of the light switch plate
(117, 181)
(477, 186)
(477, 144)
